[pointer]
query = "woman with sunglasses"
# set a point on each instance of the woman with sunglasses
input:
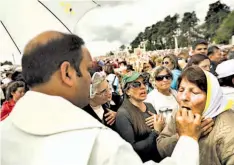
(100, 94)
(171, 62)
(136, 121)
(163, 98)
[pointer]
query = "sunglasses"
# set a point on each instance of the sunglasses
(165, 63)
(161, 77)
(137, 84)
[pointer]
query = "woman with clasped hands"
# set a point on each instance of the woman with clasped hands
(136, 121)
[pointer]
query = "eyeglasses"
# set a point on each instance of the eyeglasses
(137, 84)
(105, 91)
(166, 62)
(161, 77)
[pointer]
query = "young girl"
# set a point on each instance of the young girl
(14, 92)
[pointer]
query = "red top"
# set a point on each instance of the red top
(7, 108)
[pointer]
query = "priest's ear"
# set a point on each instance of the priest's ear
(67, 73)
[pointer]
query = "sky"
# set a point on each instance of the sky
(103, 28)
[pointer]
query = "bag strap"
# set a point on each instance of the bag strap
(113, 81)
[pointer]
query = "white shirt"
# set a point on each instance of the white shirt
(163, 104)
(59, 133)
(111, 78)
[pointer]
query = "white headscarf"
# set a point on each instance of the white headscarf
(97, 78)
(216, 102)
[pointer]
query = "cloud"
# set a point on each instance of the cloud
(114, 23)
(111, 33)
(112, 3)
(122, 23)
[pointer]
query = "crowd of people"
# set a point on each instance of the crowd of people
(65, 108)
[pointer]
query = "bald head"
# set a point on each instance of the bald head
(42, 39)
(44, 54)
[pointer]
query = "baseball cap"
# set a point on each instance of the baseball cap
(225, 69)
(132, 76)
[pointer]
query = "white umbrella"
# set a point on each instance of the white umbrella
(25, 19)
(8, 49)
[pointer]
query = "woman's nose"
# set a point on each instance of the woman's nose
(184, 96)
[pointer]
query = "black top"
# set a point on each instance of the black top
(213, 66)
(144, 144)
(89, 110)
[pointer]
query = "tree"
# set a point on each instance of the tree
(226, 30)
(216, 14)
(136, 42)
(147, 33)
(161, 33)
(110, 53)
(157, 36)
(122, 47)
(188, 29)
(168, 30)
(149, 46)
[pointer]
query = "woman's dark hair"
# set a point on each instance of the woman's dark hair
(146, 77)
(12, 87)
(152, 64)
(9, 74)
(226, 81)
(109, 69)
(123, 62)
(130, 68)
(17, 76)
(160, 69)
(174, 60)
(196, 59)
(195, 75)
